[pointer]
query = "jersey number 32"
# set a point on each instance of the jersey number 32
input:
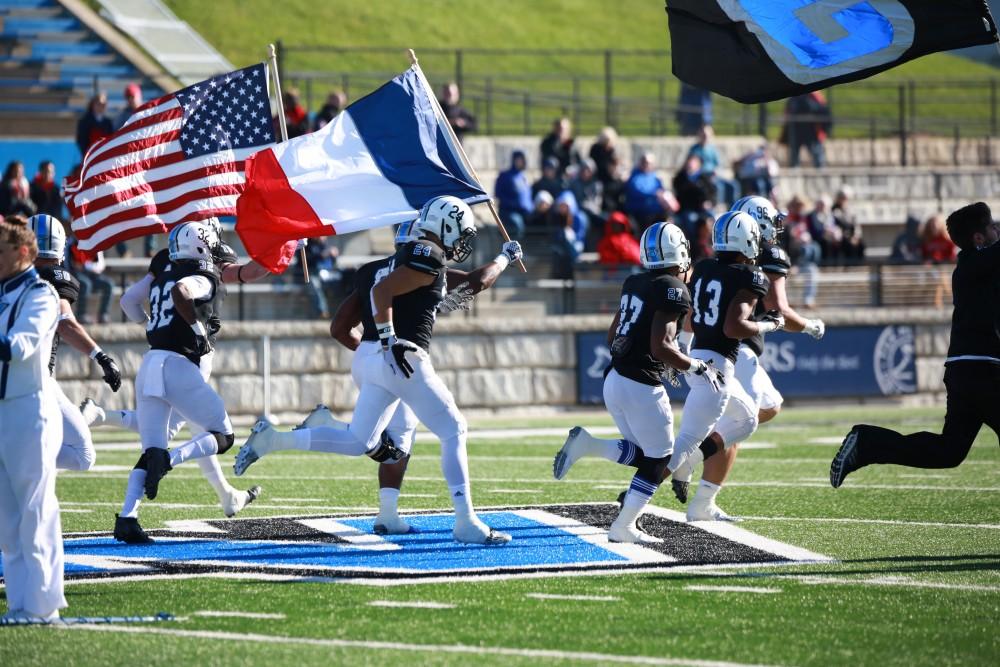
(161, 306)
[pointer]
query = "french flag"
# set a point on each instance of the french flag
(374, 165)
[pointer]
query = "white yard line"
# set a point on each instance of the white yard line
(298, 500)
(908, 487)
(527, 491)
(581, 598)
(893, 581)
(886, 522)
(239, 614)
(410, 605)
(459, 649)
(730, 589)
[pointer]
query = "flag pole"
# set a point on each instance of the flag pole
(461, 152)
(283, 126)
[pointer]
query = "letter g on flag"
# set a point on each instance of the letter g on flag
(814, 40)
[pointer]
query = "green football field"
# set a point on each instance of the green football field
(913, 575)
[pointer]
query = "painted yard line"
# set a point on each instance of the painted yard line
(908, 487)
(581, 598)
(66, 510)
(730, 589)
(239, 614)
(925, 476)
(886, 522)
(410, 605)
(894, 581)
(415, 648)
(298, 500)
(513, 491)
(826, 440)
(260, 506)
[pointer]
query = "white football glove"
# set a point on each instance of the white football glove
(772, 321)
(512, 251)
(672, 376)
(716, 378)
(815, 328)
(460, 298)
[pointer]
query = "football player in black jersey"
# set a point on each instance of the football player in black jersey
(642, 339)
(77, 451)
(402, 306)
(725, 291)
(749, 372)
(183, 301)
(972, 367)
(133, 304)
(463, 286)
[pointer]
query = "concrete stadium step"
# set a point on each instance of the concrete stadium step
(52, 124)
(37, 93)
(22, 12)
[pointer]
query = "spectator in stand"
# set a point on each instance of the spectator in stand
(646, 199)
(908, 246)
(461, 119)
(513, 193)
(694, 109)
(589, 192)
(15, 191)
(852, 246)
(808, 123)
(542, 205)
(551, 180)
(618, 246)
(44, 191)
(323, 274)
(803, 249)
(701, 238)
(296, 116)
(93, 125)
(695, 192)
(558, 144)
(567, 239)
(133, 100)
(335, 103)
(938, 248)
(756, 172)
(604, 153)
(90, 273)
(706, 150)
(566, 204)
(824, 229)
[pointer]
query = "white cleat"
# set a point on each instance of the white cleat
(393, 525)
(710, 512)
(259, 444)
(320, 416)
(624, 532)
(236, 500)
(577, 446)
(92, 413)
(477, 532)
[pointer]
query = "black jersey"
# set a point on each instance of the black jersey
(67, 287)
(166, 330)
(413, 313)
(713, 286)
(161, 262)
(974, 322)
(644, 295)
(773, 261)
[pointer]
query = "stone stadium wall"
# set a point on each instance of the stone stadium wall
(487, 363)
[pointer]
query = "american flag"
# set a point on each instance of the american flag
(177, 158)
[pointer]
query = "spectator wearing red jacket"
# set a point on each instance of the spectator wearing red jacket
(618, 246)
(937, 247)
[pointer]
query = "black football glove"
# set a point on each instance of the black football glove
(395, 355)
(112, 374)
(213, 325)
(202, 346)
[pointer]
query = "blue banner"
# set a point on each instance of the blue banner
(848, 361)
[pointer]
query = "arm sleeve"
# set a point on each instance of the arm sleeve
(200, 287)
(134, 297)
(38, 315)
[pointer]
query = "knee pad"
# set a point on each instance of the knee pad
(224, 441)
(654, 470)
(736, 430)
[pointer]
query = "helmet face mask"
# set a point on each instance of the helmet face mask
(463, 246)
(50, 234)
(663, 245)
(770, 220)
(451, 220)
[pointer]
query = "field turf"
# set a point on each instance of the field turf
(916, 578)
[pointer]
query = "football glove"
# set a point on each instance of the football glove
(394, 354)
(772, 321)
(716, 378)
(672, 376)
(512, 251)
(112, 374)
(459, 298)
(815, 328)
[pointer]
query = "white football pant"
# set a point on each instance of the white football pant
(402, 426)
(77, 451)
(754, 379)
(642, 414)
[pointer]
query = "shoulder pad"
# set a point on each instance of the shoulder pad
(422, 256)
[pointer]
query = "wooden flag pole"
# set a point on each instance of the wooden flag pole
(461, 151)
(282, 125)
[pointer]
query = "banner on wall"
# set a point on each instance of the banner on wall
(849, 361)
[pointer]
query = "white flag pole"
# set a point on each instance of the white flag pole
(283, 126)
(461, 151)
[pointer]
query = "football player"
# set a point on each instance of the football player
(749, 372)
(133, 301)
(183, 300)
(642, 339)
(725, 291)
(401, 428)
(406, 293)
(77, 451)
(972, 367)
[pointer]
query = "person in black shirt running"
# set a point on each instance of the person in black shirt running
(972, 368)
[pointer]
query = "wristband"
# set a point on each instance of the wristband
(503, 260)
(199, 329)
(385, 331)
(239, 274)
(96, 351)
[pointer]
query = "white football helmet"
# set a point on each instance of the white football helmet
(193, 241)
(452, 221)
(404, 233)
(663, 245)
(769, 219)
(51, 235)
(737, 232)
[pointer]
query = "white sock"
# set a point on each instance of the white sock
(114, 418)
(212, 471)
(203, 444)
(323, 439)
(632, 507)
(706, 493)
(605, 449)
(388, 502)
(461, 498)
(455, 462)
(133, 493)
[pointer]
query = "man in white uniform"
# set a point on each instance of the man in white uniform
(30, 531)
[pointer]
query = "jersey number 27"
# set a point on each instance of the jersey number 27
(631, 307)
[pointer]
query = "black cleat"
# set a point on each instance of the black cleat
(680, 490)
(157, 466)
(846, 460)
(129, 531)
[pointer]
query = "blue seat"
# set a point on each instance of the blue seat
(29, 26)
(29, 4)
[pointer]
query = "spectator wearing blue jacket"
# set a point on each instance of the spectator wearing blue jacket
(646, 199)
(513, 193)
